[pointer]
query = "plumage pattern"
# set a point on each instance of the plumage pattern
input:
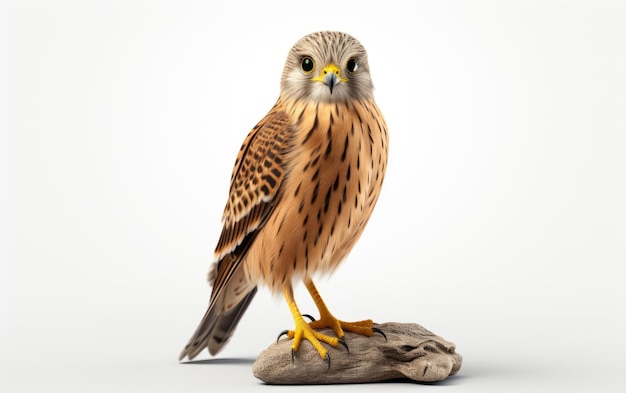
(257, 174)
(303, 187)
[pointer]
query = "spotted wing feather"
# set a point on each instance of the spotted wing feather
(256, 178)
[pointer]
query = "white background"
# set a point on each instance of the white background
(501, 226)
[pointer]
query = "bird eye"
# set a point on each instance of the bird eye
(352, 65)
(307, 64)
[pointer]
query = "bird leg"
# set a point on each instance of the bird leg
(327, 320)
(304, 331)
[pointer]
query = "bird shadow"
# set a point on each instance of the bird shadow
(223, 361)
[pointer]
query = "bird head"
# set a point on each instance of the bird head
(328, 67)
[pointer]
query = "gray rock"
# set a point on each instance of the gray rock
(410, 352)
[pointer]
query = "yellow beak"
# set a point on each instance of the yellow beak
(330, 76)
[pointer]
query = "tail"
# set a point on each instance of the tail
(216, 327)
(232, 293)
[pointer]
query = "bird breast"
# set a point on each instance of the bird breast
(334, 171)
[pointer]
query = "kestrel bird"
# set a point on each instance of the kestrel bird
(304, 185)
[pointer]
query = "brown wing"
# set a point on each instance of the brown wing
(254, 191)
(256, 178)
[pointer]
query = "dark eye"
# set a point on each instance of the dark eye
(307, 64)
(352, 65)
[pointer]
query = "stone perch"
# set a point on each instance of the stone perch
(410, 352)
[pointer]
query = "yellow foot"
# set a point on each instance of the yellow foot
(328, 321)
(308, 331)
(304, 330)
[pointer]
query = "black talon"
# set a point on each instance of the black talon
(293, 355)
(309, 316)
(284, 332)
(377, 330)
(328, 360)
(342, 341)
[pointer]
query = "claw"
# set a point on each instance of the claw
(293, 357)
(283, 333)
(309, 316)
(377, 330)
(342, 341)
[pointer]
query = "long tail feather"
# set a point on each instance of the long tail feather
(216, 327)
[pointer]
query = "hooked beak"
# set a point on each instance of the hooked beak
(330, 76)
(331, 80)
